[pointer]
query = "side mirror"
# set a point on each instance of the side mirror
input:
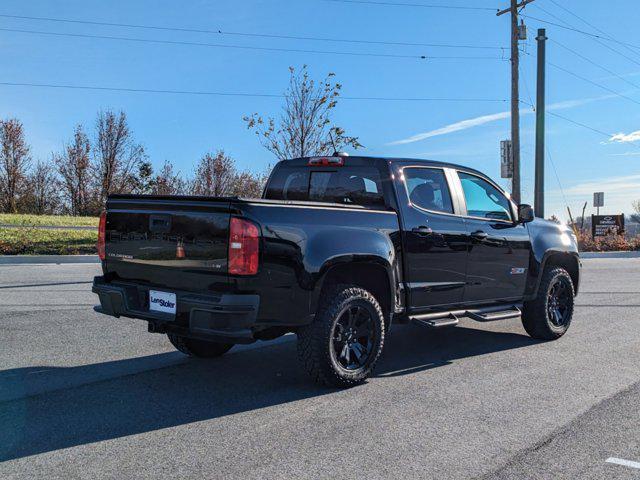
(525, 213)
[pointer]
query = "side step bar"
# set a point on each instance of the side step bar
(490, 317)
(451, 318)
(449, 321)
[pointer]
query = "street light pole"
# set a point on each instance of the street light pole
(540, 120)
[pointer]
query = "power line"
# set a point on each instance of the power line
(618, 94)
(600, 42)
(555, 171)
(537, 5)
(589, 24)
(611, 72)
(577, 30)
(526, 85)
(562, 117)
(583, 125)
(599, 85)
(251, 34)
(608, 135)
(422, 5)
(244, 47)
(241, 94)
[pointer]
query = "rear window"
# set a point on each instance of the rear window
(348, 185)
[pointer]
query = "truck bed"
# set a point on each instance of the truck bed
(182, 242)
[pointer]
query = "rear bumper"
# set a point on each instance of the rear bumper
(212, 316)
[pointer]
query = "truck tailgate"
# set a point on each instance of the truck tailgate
(150, 239)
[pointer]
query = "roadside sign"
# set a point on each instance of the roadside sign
(598, 199)
(506, 159)
(604, 225)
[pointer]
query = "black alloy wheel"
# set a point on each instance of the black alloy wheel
(559, 302)
(353, 337)
(341, 346)
(549, 314)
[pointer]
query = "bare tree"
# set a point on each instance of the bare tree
(250, 185)
(214, 175)
(304, 127)
(116, 155)
(14, 162)
(167, 182)
(74, 167)
(42, 195)
(636, 207)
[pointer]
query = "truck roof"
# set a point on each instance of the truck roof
(392, 160)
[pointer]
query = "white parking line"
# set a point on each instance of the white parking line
(626, 463)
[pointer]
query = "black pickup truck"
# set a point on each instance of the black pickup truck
(337, 249)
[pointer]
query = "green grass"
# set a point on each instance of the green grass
(50, 220)
(34, 241)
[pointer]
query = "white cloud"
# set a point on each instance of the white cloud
(625, 137)
(577, 103)
(484, 119)
(613, 186)
(454, 127)
(624, 75)
(625, 154)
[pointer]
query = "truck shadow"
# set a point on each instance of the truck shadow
(110, 400)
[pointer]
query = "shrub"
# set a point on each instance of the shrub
(611, 243)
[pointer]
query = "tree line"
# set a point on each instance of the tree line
(77, 179)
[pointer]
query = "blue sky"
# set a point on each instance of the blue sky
(181, 128)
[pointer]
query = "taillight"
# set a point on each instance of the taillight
(244, 240)
(326, 161)
(102, 227)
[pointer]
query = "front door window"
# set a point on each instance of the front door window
(483, 199)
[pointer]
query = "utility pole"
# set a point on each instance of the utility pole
(540, 113)
(515, 93)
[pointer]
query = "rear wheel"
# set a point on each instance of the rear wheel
(342, 345)
(198, 348)
(549, 315)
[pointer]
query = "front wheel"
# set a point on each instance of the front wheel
(342, 345)
(198, 348)
(549, 315)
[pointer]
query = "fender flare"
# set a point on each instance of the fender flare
(353, 259)
(535, 280)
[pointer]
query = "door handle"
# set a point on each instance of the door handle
(422, 230)
(479, 235)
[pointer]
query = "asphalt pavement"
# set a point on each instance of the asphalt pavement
(88, 396)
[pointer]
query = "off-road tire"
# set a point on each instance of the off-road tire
(198, 348)
(535, 314)
(316, 347)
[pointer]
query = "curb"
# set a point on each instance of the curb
(635, 254)
(47, 259)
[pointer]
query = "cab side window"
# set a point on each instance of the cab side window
(428, 189)
(483, 199)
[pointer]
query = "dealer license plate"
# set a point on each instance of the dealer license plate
(164, 302)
